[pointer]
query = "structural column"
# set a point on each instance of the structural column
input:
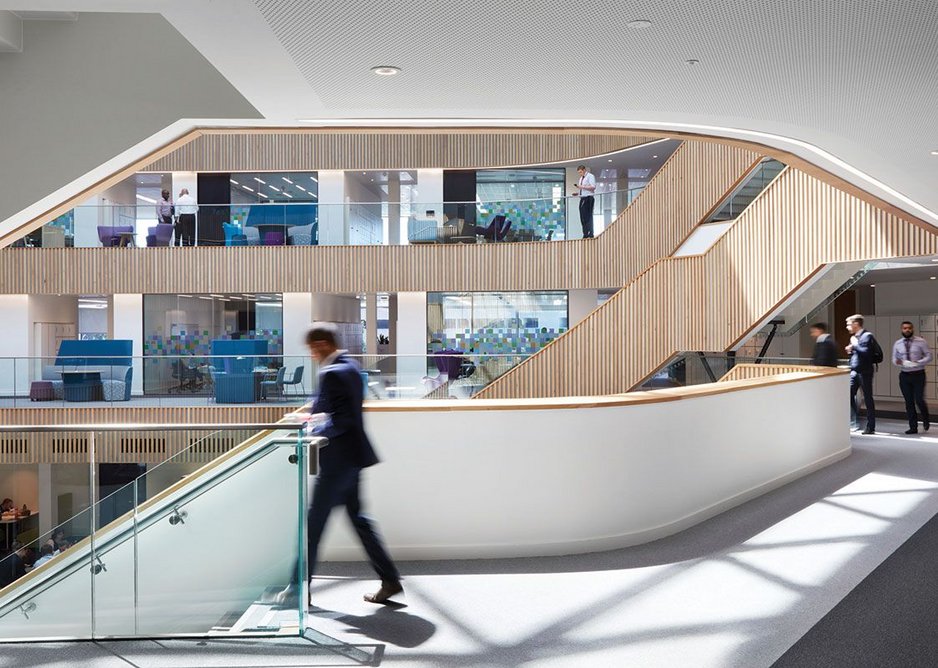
(580, 303)
(128, 324)
(411, 342)
(297, 316)
(333, 227)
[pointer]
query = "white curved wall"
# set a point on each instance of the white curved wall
(497, 482)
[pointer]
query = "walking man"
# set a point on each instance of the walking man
(337, 413)
(862, 351)
(910, 353)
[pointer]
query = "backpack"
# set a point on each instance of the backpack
(876, 352)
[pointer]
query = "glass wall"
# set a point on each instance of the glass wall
(495, 323)
(186, 325)
(532, 199)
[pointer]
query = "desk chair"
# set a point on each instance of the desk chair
(275, 385)
(297, 380)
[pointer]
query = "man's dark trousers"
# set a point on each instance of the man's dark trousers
(341, 488)
(912, 384)
(586, 216)
(862, 380)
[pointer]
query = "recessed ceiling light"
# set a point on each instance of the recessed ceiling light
(692, 61)
(386, 70)
(234, 182)
(872, 285)
(314, 179)
(287, 180)
(639, 24)
(934, 152)
(610, 159)
(934, 259)
(654, 156)
(931, 278)
(260, 180)
(248, 189)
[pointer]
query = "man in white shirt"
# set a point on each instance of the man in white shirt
(586, 187)
(186, 209)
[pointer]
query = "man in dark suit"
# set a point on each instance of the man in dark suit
(825, 352)
(861, 371)
(337, 414)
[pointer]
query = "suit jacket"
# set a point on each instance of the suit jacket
(861, 359)
(825, 353)
(340, 396)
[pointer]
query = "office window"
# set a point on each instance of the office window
(495, 322)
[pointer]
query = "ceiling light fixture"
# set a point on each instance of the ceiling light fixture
(288, 195)
(872, 285)
(386, 70)
(260, 180)
(692, 61)
(610, 159)
(654, 156)
(302, 188)
(934, 152)
(931, 278)
(287, 180)
(143, 198)
(248, 189)
(234, 182)
(314, 179)
(639, 24)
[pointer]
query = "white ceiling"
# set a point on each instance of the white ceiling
(857, 80)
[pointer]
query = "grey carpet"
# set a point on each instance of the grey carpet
(888, 620)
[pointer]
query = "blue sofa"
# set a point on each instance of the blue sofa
(233, 374)
(109, 360)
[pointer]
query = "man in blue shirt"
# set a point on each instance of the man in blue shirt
(911, 354)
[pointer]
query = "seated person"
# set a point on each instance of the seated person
(7, 506)
(46, 552)
(13, 567)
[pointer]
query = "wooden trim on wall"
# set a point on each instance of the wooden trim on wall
(669, 207)
(704, 302)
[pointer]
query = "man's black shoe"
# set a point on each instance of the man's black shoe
(869, 431)
(911, 431)
(926, 425)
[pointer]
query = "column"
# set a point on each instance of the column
(297, 316)
(574, 229)
(580, 303)
(14, 373)
(47, 507)
(128, 324)
(333, 230)
(429, 194)
(371, 323)
(411, 343)
(394, 234)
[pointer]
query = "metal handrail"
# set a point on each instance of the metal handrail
(142, 426)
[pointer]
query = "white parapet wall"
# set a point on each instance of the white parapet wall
(487, 479)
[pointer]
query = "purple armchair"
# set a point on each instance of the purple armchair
(160, 235)
(110, 235)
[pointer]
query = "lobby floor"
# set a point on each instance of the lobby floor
(734, 592)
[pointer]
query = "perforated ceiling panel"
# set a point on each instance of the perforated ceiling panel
(858, 77)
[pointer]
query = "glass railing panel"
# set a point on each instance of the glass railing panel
(313, 223)
(166, 574)
(692, 368)
(48, 533)
(764, 173)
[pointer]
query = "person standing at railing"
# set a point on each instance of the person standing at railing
(825, 352)
(185, 225)
(585, 190)
(337, 415)
(911, 353)
(165, 209)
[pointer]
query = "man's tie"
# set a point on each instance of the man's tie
(908, 349)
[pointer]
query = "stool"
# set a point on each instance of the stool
(41, 390)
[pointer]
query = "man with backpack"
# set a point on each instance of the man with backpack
(865, 352)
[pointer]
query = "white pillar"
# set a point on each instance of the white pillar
(574, 229)
(47, 508)
(371, 323)
(429, 195)
(333, 230)
(14, 346)
(580, 303)
(395, 234)
(297, 316)
(128, 324)
(411, 342)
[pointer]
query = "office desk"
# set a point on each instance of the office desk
(10, 524)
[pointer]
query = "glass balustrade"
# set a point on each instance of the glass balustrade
(698, 368)
(152, 557)
(311, 224)
(205, 379)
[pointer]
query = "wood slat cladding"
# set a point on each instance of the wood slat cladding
(127, 447)
(318, 149)
(715, 300)
(680, 195)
